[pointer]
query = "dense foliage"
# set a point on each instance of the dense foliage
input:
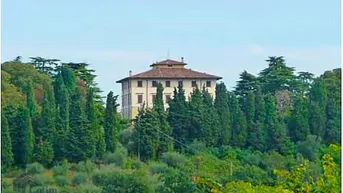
(275, 132)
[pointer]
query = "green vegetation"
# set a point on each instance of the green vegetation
(275, 132)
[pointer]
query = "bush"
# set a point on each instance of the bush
(118, 158)
(174, 159)
(196, 147)
(119, 180)
(42, 179)
(156, 167)
(135, 164)
(86, 166)
(310, 147)
(60, 170)
(61, 181)
(34, 168)
(88, 188)
(80, 177)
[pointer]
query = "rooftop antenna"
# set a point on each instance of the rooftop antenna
(168, 53)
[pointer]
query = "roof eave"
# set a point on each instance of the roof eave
(127, 78)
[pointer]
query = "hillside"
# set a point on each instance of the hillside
(275, 132)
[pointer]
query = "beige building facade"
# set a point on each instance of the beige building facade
(140, 88)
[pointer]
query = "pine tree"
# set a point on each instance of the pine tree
(247, 82)
(299, 127)
(22, 137)
(239, 124)
(221, 104)
(158, 107)
(80, 138)
(178, 117)
(68, 79)
(62, 117)
(111, 133)
(93, 124)
(6, 145)
(276, 131)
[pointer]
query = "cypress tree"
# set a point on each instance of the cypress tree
(276, 131)
(239, 124)
(22, 137)
(68, 79)
(196, 110)
(178, 117)
(318, 103)
(62, 117)
(6, 144)
(80, 138)
(164, 143)
(259, 119)
(146, 138)
(210, 120)
(254, 133)
(221, 103)
(44, 152)
(93, 124)
(299, 127)
(32, 106)
(111, 133)
(333, 123)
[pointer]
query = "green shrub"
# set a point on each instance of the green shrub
(310, 147)
(79, 178)
(119, 180)
(62, 181)
(86, 166)
(88, 188)
(118, 158)
(157, 167)
(196, 147)
(135, 164)
(174, 159)
(42, 179)
(60, 170)
(34, 168)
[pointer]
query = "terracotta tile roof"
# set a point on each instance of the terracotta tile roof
(168, 61)
(171, 73)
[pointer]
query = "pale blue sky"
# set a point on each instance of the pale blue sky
(222, 37)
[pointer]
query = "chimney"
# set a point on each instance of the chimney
(130, 73)
(182, 59)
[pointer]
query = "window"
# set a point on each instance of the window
(139, 83)
(153, 98)
(167, 83)
(154, 83)
(140, 98)
(168, 98)
(169, 65)
(208, 83)
(194, 83)
(180, 83)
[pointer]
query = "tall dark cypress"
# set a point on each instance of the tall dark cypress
(276, 130)
(93, 124)
(221, 103)
(210, 120)
(32, 105)
(165, 143)
(177, 117)
(239, 124)
(62, 117)
(196, 110)
(318, 103)
(6, 145)
(80, 138)
(22, 137)
(299, 127)
(111, 133)
(333, 123)
(254, 133)
(47, 129)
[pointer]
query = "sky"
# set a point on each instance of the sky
(220, 37)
